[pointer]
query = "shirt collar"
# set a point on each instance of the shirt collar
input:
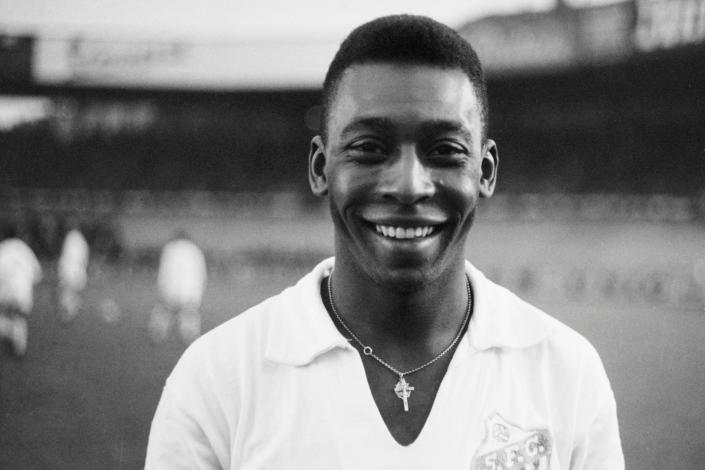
(301, 329)
(500, 319)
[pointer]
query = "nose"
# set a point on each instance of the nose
(407, 179)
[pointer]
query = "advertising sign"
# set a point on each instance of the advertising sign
(181, 65)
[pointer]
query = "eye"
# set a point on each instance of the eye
(366, 151)
(448, 153)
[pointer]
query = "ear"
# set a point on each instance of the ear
(317, 166)
(489, 166)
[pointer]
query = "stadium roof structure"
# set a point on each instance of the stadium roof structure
(566, 37)
(87, 61)
(519, 44)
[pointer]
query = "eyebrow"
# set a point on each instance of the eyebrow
(427, 128)
(378, 124)
(438, 126)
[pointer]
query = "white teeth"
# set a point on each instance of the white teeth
(404, 233)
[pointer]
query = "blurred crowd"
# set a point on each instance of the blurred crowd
(44, 233)
(64, 245)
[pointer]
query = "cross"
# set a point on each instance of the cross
(403, 390)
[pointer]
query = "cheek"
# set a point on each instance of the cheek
(349, 186)
(460, 190)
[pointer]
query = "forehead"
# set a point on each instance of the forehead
(404, 93)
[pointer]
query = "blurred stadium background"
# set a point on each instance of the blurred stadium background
(599, 112)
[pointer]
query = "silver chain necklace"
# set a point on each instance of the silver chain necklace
(402, 389)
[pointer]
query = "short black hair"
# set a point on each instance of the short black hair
(405, 39)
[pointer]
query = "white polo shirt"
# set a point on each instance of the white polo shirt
(278, 387)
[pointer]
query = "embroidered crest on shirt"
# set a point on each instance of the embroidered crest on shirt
(508, 447)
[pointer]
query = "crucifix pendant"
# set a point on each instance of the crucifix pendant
(403, 390)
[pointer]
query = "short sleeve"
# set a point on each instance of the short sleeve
(188, 430)
(599, 446)
(176, 440)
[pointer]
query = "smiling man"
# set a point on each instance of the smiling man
(397, 353)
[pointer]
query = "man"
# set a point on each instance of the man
(397, 353)
(72, 269)
(19, 272)
(181, 281)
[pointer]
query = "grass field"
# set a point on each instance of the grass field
(84, 395)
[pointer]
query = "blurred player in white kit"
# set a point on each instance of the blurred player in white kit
(181, 281)
(73, 276)
(19, 272)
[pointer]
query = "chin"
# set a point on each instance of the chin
(403, 279)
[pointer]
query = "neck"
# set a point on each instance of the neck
(425, 316)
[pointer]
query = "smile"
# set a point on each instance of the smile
(404, 233)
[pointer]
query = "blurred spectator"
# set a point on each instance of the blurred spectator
(19, 272)
(72, 272)
(181, 281)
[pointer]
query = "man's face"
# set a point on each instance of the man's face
(404, 166)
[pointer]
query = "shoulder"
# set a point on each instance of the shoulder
(241, 337)
(286, 328)
(504, 320)
(240, 345)
(567, 347)
(217, 371)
